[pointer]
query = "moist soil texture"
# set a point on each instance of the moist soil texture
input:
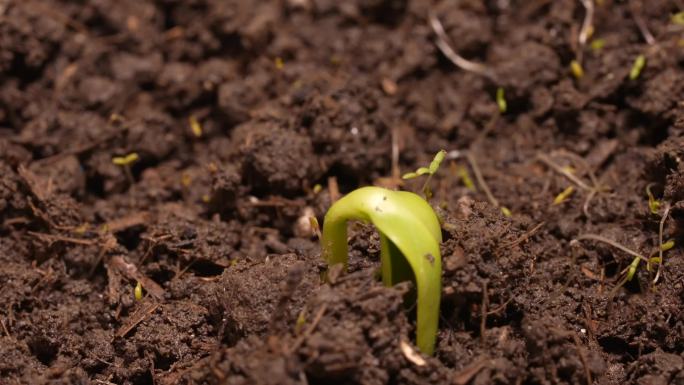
(181, 146)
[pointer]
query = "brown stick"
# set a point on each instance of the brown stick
(524, 237)
(136, 319)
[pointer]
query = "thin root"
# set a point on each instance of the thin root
(666, 213)
(595, 237)
(635, 8)
(459, 61)
(480, 180)
(547, 161)
(587, 24)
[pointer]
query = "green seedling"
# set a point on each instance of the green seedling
(429, 171)
(195, 126)
(563, 196)
(464, 175)
(126, 162)
(138, 292)
(410, 235)
(653, 203)
(501, 100)
(576, 69)
(597, 44)
(678, 18)
(637, 67)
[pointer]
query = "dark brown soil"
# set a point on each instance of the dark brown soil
(290, 94)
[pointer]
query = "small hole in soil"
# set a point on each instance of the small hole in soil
(130, 238)
(204, 268)
(163, 362)
(617, 345)
(633, 286)
(44, 350)
(144, 378)
(95, 186)
(654, 129)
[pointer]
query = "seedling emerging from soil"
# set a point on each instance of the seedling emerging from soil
(501, 100)
(430, 171)
(126, 162)
(637, 67)
(410, 235)
(597, 44)
(653, 203)
(576, 69)
(195, 126)
(678, 18)
(563, 196)
(138, 292)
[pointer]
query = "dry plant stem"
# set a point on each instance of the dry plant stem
(4, 328)
(635, 7)
(595, 237)
(592, 190)
(547, 161)
(460, 62)
(666, 213)
(583, 163)
(585, 206)
(587, 24)
(396, 174)
(480, 180)
(129, 174)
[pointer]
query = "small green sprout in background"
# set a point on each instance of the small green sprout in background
(597, 44)
(653, 203)
(138, 292)
(315, 227)
(637, 67)
(126, 162)
(301, 321)
(576, 69)
(501, 100)
(430, 171)
(563, 196)
(678, 18)
(464, 175)
(506, 211)
(195, 126)
(410, 236)
(654, 258)
(317, 188)
(279, 63)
